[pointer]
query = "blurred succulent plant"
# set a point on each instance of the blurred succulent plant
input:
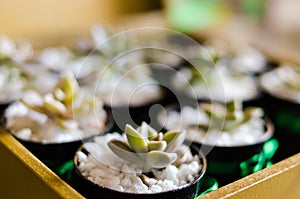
(14, 53)
(57, 104)
(290, 76)
(149, 148)
(228, 116)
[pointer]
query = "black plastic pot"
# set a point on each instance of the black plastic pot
(63, 151)
(135, 114)
(91, 190)
(224, 161)
(3, 107)
(286, 117)
(282, 105)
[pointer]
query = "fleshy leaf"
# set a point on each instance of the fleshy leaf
(147, 131)
(66, 124)
(253, 111)
(157, 145)
(159, 159)
(122, 150)
(70, 89)
(143, 129)
(135, 140)
(59, 94)
(53, 106)
(181, 155)
(232, 106)
(158, 137)
(215, 111)
(32, 99)
(151, 133)
(173, 139)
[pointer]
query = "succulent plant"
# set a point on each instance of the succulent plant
(149, 148)
(14, 53)
(228, 116)
(57, 104)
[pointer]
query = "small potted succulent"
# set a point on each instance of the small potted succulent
(141, 163)
(226, 133)
(112, 66)
(53, 125)
(13, 80)
(220, 76)
(281, 87)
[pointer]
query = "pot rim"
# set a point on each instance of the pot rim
(267, 84)
(202, 171)
(266, 136)
(108, 124)
(268, 124)
(160, 97)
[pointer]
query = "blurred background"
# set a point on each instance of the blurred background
(46, 17)
(275, 23)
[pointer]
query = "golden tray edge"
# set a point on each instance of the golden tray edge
(31, 178)
(24, 175)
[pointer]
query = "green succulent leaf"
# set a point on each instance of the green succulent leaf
(122, 150)
(135, 140)
(59, 94)
(69, 86)
(159, 159)
(231, 106)
(65, 124)
(213, 110)
(32, 100)
(173, 139)
(151, 133)
(147, 131)
(157, 145)
(253, 111)
(54, 106)
(230, 116)
(159, 137)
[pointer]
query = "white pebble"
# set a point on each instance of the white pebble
(155, 188)
(151, 181)
(82, 167)
(115, 180)
(140, 188)
(136, 180)
(126, 182)
(171, 172)
(119, 188)
(190, 178)
(89, 166)
(24, 134)
(81, 156)
(97, 172)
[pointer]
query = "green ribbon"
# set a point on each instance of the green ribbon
(208, 184)
(261, 160)
(62, 168)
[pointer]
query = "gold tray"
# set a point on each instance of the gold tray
(22, 175)
(25, 176)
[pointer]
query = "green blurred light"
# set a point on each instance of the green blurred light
(191, 15)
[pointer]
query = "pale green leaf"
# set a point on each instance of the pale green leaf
(122, 150)
(159, 159)
(135, 140)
